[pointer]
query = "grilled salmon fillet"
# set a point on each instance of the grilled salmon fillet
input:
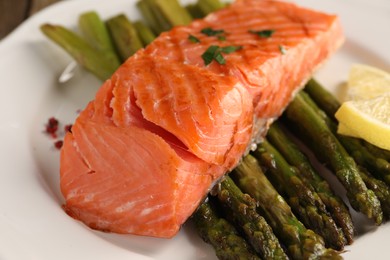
(168, 124)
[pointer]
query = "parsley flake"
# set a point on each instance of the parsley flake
(219, 58)
(211, 32)
(282, 49)
(209, 54)
(214, 52)
(193, 39)
(230, 49)
(222, 38)
(263, 33)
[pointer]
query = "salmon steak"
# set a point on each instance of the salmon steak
(181, 113)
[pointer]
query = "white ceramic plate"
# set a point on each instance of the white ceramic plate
(32, 223)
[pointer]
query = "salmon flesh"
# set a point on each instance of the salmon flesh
(172, 120)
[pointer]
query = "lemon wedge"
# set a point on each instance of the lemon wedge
(366, 82)
(344, 130)
(367, 119)
(366, 114)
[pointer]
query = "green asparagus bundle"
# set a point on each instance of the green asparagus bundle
(376, 160)
(294, 156)
(313, 129)
(361, 154)
(94, 52)
(302, 198)
(242, 210)
(300, 242)
(221, 235)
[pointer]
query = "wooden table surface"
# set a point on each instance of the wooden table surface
(14, 12)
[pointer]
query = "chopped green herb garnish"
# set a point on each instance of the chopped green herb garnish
(209, 54)
(219, 58)
(193, 39)
(211, 32)
(230, 49)
(282, 49)
(222, 37)
(215, 53)
(263, 33)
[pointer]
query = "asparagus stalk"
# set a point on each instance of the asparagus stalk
(300, 242)
(173, 12)
(209, 6)
(221, 235)
(95, 32)
(365, 154)
(302, 198)
(297, 158)
(327, 148)
(100, 63)
(162, 15)
(329, 122)
(150, 18)
(144, 33)
(377, 152)
(124, 35)
(195, 11)
(203, 7)
(377, 166)
(242, 209)
(324, 99)
(381, 190)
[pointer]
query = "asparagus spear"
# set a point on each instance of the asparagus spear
(300, 242)
(124, 35)
(327, 148)
(162, 15)
(377, 166)
(365, 154)
(150, 19)
(381, 190)
(324, 99)
(144, 33)
(98, 62)
(95, 32)
(195, 11)
(173, 12)
(221, 235)
(297, 158)
(209, 6)
(329, 122)
(203, 7)
(302, 198)
(377, 152)
(242, 209)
